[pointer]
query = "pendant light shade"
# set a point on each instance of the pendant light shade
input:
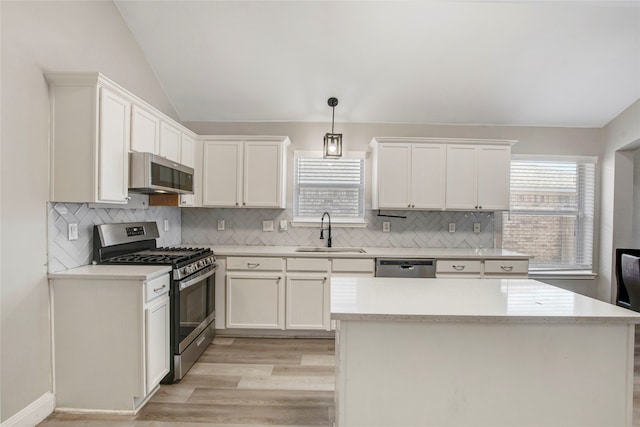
(332, 141)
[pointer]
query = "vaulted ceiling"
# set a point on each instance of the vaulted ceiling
(538, 63)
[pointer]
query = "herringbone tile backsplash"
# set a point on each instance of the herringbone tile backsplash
(64, 254)
(198, 226)
(419, 229)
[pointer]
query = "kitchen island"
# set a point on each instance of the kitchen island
(489, 352)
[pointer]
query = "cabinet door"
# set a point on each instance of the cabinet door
(307, 302)
(494, 168)
(187, 145)
(461, 177)
(222, 173)
(428, 163)
(157, 349)
(394, 171)
(113, 161)
(262, 174)
(170, 142)
(145, 131)
(255, 301)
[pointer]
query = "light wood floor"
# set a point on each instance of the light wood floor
(241, 382)
(246, 382)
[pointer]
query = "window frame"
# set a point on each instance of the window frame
(560, 270)
(338, 221)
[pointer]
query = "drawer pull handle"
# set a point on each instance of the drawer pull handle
(506, 267)
(200, 340)
(253, 264)
(156, 290)
(458, 267)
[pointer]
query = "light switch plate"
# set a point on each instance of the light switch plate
(476, 227)
(267, 225)
(221, 225)
(386, 226)
(166, 225)
(72, 231)
(452, 227)
(283, 224)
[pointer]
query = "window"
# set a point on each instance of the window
(552, 208)
(328, 185)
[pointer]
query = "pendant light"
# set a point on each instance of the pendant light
(332, 141)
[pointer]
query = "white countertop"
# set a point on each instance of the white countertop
(113, 272)
(471, 300)
(370, 252)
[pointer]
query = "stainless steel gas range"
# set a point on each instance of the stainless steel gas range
(192, 290)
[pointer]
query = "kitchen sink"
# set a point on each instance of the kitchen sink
(325, 249)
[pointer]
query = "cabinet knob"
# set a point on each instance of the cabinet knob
(409, 206)
(236, 203)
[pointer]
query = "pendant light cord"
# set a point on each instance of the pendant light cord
(333, 117)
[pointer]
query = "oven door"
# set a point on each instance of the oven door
(194, 307)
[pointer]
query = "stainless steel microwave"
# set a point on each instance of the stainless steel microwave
(152, 174)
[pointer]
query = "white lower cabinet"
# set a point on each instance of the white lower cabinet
(111, 341)
(307, 301)
(255, 300)
(157, 333)
(486, 269)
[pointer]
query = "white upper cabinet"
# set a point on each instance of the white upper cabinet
(145, 130)
(113, 164)
(409, 175)
(441, 173)
(170, 138)
(187, 150)
(222, 173)
(94, 125)
(478, 177)
(90, 137)
(244, 171)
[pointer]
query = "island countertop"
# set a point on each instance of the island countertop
(467, 300)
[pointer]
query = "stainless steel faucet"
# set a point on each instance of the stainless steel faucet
(322, 228)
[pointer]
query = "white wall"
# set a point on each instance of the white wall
(38, 37)
(620, 138)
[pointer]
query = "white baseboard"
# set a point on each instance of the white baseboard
(33, 414)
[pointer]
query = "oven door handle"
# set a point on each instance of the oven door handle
(192, 281)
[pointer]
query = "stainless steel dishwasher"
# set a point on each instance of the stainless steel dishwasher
(418, 267)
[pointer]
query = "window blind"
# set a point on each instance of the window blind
(328, 185)
(552, 209)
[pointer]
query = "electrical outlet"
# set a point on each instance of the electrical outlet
(221, 225)
(386, 226)
(452, 227)
(166, 225)
(267, 225)
(72, 231)
(476, 227)
(283, 224)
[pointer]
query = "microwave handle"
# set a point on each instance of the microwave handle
(198, 278)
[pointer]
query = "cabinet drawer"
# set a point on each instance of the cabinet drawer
(254, 264)
(458, 266)
(308, 264)
(508, 266)
(156, 287)
(352, 265)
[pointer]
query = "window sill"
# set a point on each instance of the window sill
(335, 223)
(563, 275)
